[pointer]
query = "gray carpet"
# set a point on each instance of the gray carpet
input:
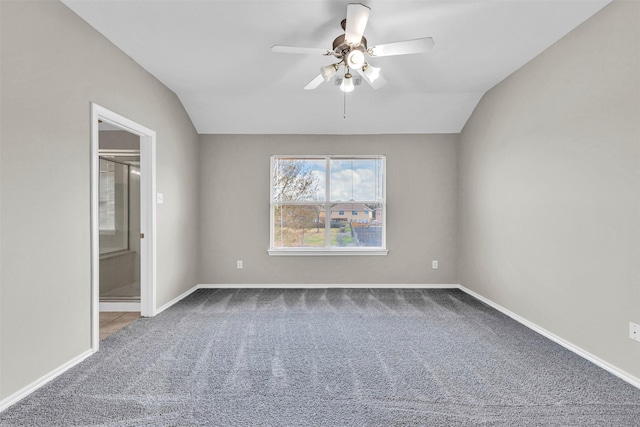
(330, 357)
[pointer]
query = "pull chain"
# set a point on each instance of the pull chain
(344, 105)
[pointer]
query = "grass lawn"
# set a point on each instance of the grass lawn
(289, 237)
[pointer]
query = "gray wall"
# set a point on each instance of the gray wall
(421, 211)
(118, 140)
(53, 66)
(550, 189)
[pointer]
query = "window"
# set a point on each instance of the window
(113, 204)
(310, 196)
(107, 196)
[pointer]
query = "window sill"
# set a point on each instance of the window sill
(326, 252)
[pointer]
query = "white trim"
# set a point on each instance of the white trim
(119, 306)
(95, 229)
(148, 224)
(176, 299)
(326, 286)
(147, 214)
(327, 249)
(326, 252)
(25, 391)
(558, 340)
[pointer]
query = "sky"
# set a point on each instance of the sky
(351, 179)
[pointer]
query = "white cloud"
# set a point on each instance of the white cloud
(359, 184)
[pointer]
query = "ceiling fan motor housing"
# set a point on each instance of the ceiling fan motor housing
(352, 55)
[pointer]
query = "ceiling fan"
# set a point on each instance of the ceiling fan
(351, 48)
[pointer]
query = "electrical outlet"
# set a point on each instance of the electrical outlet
(239, 264)
(434, 264)
(634, 331)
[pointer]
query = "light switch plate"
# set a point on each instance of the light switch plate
(634, 331)
(160, 198)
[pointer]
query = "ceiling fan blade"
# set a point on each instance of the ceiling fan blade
(378, 83)
(314, 83)
(402, 48)
(302, 50)
(357, 17)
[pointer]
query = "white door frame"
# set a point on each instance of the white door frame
(147, 215)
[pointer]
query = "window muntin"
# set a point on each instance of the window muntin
(351, 189)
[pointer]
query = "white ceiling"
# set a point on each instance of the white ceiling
(215, 55)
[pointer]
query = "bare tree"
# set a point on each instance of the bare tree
(294, 181)
(300, 218)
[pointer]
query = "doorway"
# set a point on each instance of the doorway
(119, 219)
(122, 217)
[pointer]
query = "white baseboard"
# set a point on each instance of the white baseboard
(558, 340)
(325, 286)
(25, 391)
(177, 299)
(120, 306)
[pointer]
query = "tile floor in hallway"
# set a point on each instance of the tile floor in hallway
(113, 321)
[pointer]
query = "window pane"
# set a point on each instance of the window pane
(113, 206)
(298, 226)
(107, 196)
(299, 180)
(356, 179)
(357, 224)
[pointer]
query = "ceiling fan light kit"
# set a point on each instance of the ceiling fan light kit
(351, 47)
(355, 59)
(328, 71)
(347, 83)
(371, 73)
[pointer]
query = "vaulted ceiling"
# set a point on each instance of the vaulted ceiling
(215, 55)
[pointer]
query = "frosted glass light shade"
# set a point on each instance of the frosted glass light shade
(328, 71)
(347, 83)
(355, 59)
(371, 72)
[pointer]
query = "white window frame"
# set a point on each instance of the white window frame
(328, 250)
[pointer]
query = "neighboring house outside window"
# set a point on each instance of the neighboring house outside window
(349, 190)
